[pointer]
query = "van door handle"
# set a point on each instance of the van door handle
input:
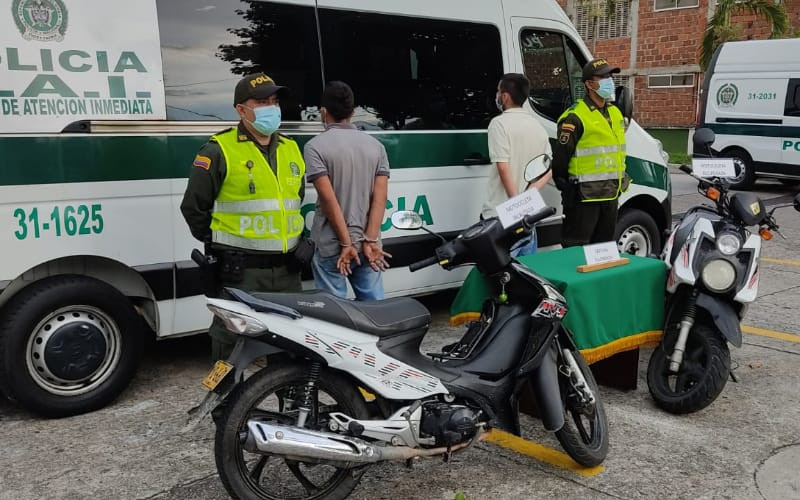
(476, 159)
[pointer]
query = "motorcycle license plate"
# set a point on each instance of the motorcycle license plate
(217, 373)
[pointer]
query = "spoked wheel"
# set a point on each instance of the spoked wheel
(273, 395)
(585, 433)
(701, 376)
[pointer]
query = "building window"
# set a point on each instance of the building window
(206, 50)
(591, 20)
(676, 4)
(670, 81)
(412, 73)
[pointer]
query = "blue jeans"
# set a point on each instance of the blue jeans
(366, 282)
(526, 246)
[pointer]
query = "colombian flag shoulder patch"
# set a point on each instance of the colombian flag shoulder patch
(203, 162)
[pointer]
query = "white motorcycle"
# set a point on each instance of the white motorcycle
(712, 259)
(346, 386)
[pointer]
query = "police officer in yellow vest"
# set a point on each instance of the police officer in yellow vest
(589, 160)
(243, 199)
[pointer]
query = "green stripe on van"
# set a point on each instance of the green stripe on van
(54, 159)
(77, 158)
(753, 129)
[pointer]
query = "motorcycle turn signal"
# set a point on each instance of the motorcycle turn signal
(765, 234)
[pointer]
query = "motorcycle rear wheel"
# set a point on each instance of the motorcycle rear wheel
(268, 395)
(701, 377)
(584, 435)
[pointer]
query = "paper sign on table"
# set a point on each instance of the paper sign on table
(600, 253)
(527, 203)
(713, 167)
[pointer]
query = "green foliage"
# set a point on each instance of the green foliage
(719, 28)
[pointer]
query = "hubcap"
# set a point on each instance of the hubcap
(739, 169)
(73, 350)
(635, 241)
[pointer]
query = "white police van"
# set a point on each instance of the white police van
(104, 104)
(751, 100)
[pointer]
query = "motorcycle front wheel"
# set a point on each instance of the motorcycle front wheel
(584, 435)
(701, 376)
(272, 395)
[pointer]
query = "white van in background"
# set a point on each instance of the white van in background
(751, 100)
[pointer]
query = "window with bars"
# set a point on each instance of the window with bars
(614, 24)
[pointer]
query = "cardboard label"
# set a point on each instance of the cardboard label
(713, 167)
(599, 253)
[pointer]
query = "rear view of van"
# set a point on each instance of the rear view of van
(751, 100)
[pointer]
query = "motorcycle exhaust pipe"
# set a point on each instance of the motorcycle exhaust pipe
(305, 444)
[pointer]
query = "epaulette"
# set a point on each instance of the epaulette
(211, 139)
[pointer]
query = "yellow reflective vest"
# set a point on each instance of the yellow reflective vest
(598, 163)
(268, 218)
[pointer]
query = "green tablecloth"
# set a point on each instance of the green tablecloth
(610, 311)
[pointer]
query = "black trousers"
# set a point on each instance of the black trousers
(588, 222)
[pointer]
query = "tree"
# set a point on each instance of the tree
(720, 30)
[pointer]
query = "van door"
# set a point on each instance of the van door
(790, 146)
(553, 63)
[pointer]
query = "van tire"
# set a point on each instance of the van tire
(68, 345)
(741, 160)
(636, 231)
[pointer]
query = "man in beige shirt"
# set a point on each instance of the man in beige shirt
(515, 138)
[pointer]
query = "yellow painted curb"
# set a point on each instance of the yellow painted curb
(771, 334)
(540, 452)
(781, 261)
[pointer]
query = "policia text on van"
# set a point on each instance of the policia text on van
(95, 241)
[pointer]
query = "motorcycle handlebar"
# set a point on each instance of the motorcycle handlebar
(416, 266)
(529, 220)
(685, 169)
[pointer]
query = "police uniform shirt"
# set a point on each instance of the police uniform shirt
(206, 178)
(569, 132)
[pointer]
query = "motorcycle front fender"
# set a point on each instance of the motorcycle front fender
(546, 390)
(724, 316)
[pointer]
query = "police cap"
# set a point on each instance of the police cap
(257, 86)
(597, 67)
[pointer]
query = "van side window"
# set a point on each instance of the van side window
(793, 98)
(207, 49)
(410, 73)
(553, 64)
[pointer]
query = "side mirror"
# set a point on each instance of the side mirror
(537, 168)
(797, 202)
(624, 101)
(406, 219)
(703, 138)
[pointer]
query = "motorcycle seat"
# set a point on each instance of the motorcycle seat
(382, 318)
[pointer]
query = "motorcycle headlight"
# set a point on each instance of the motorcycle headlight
(728, 243)
(718, 275)
(238, 323)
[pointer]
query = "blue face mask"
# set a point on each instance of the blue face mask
(268, 119)
(606, 89)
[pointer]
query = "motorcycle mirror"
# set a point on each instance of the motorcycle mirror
(406, 219)
(703, 138)
(537, 168)
(797, 202)
(623, 99)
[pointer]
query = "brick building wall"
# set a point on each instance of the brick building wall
(664, 43)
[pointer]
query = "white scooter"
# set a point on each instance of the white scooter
(345, 384)
(712, 260)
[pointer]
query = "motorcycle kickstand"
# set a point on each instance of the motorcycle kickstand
(734, 378)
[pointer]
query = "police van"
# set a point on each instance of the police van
(751, 100)
(104, 104)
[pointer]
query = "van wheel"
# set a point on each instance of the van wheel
(637, 233)
(743, 166)
(68, 345)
